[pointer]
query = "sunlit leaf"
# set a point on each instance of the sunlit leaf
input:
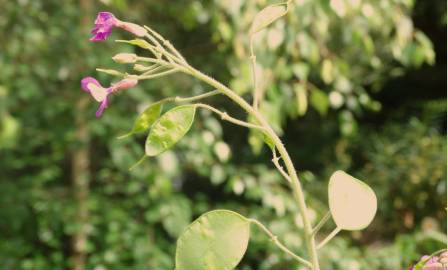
(353, 203)
(301, 98)
(169, 129)
(267, 16)
(145, 119)
(216, 240)
(327, 71)
(319, 101)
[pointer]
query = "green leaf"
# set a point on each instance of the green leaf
(169, 129)
(145, 119)
(353, 203)
(319, 101)
(215, 241)
(301, 98)
(327, 71)
(267, 16)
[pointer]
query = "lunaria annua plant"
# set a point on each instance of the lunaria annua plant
(219, 239)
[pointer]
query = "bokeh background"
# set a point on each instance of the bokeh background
(358, 85)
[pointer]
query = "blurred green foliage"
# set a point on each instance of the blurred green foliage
(326, 70)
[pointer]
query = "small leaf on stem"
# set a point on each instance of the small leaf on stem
(145, 119)
(267, 16)
(169, 129)
(353, 203)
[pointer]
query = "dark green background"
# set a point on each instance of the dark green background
(64, 175)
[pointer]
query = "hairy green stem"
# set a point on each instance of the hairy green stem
(280, 245)
(228, 118)
(295, 182)
(278, 166)
(156, 75)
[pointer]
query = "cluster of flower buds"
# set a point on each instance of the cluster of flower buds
(104, 24)
(435, 262)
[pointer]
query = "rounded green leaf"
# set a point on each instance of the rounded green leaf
(353, 203)
(215, 241)
(267, 16)
(169, 129)
(145, 119)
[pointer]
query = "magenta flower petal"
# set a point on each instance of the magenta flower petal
(88, 80)
(102, 107)
(104, 104)
(104, 23)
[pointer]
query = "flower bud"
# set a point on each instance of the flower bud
(135, 29)
(140, 68)
(433, 266)
(125, 84)
(125, 58)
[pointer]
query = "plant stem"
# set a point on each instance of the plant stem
(198, 97)
(279, 244)
(228, 118)
(329, 237)
(275, 161)
(295, 182)
(256, 94)
(161, 74)
(321, 223)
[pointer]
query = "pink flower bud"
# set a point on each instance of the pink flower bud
(124, 84)
(132, 28)
(433, 266)
(125, 58)
(444, 255)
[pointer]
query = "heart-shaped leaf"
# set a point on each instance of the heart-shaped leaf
(267, 16)
(169, 129)
(353, 204)
(217, 240)
(145, 119)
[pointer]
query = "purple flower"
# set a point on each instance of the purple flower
(98, 92)
(104, 23)
(101, 94)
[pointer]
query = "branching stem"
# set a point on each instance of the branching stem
(280, 245)
(228, 118)
(321, 223)
(278, 166)
(295, 182)
(161, 74)
(329, 238)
